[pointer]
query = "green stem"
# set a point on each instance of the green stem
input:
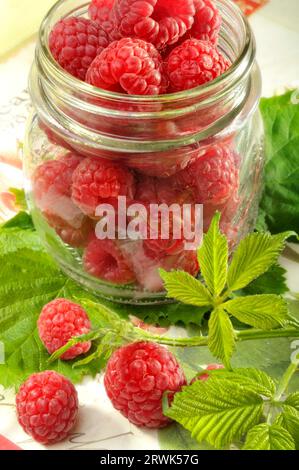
(197, 341)
(286, 378)
(133, 334)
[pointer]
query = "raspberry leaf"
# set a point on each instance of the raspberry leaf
(213, 258)
(253, 379)
(264, 311)
(289, 418)
(28, 280)
(254, 256)
(185, 288)
(221, 339)
(218, 410)
(269, 437)
(280, 198)
(272, 282)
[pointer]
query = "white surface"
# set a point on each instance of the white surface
(101, 427)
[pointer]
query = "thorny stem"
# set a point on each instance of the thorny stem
(244, 335)
(133, 334)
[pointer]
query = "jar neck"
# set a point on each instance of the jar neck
(100, 119)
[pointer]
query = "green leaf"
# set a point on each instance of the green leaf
(280, 200)
(166, 314)
(20, 198)
(261, 311)
(269, 437)
(255, 255)
(213, 258)
(221, 340)
(13, 239)
(271, 282)
(217, 410)
(185, 288)
(28, 280)
(289, 418)
(253, 379)
(21, 221)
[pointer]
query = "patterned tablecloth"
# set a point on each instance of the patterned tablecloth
(277, 33)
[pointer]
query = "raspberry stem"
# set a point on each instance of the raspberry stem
(244, 335)
(131, 334)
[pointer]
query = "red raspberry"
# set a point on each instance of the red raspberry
(75, 233)
(61, 320)
(101, 12)
(146, 268)
(47, 406)
(55, 175)
(207, 21)
(75, 42)
(194, 63)
(213, 176)
(162, 191)
(52, 183)
(204, 377)
(161, 22)
(136, 378)
(97, 181)
(105, 260)
(165, 190)
(129, 65)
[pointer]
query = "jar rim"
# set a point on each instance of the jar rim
(231, 75)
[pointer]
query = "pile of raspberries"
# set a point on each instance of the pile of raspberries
(139, 47)
(142, 47)
(68, 190)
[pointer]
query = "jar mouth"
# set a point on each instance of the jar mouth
(97, 119)
(241, 64)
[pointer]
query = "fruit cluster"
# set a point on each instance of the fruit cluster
(142, 48)
(137, 377)
(148, 47)
(69, 189)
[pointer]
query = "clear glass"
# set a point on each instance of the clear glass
(154, 137)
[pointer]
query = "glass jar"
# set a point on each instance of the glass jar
(203, 145)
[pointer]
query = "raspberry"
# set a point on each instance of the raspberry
(146, 268)
(101, 12)
(75, 42)
(207, 21)
(129, 65)
(52, 183)
(55, 175)
(97, 181)
(213, 176)
(104, 259)
(161, 22)
(75, 233)
(162, 191)
(136, 378)
(194, 63)
(204, 377)
(154, 190)
(47, 406)
(61, 320)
